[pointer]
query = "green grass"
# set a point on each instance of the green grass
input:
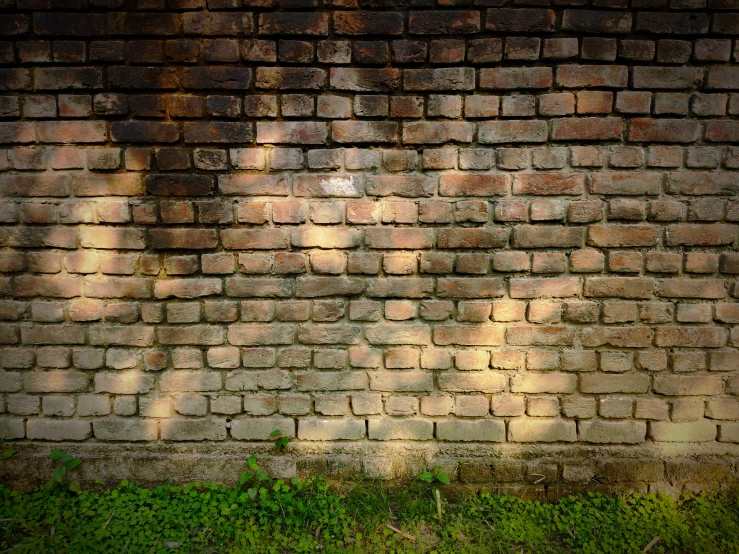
(311, 516)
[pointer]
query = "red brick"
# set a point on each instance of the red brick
(473, 238)
(433, 132)
(511, 78)
(693, 234)
(587, 128)
(400, 185)
(364, 131)
(618, 287)
(545, 288)
(663, 130)
(255, 239)
(592, 76)
(530, 236)
(399, 238)
(291, 132)
(459, 184)
(71, 132)
(508, 131)
(690, 337)
(547, 184)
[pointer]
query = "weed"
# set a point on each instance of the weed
(280, 441)
(434, 476)
(59, 475)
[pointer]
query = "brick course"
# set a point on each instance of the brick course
(482, 224)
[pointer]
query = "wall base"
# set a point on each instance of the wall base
(545, 472)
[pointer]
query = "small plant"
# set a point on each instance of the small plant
(59, 475)
(253, 476)
(434, 476)
(281, 442)
(5, 454)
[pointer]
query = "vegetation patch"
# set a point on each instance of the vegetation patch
(263, 515)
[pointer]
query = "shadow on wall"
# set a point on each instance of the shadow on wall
(156, 320)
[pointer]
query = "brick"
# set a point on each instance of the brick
(246, 184)
(58, 430)
(529, 236)
(592, 21)
(364, 131)
(663, 130)
(527, 20)
(698, 431)
(465, 431)
(365, 79)
(673, 23)
(358, 23)
(290, 78)
(175, 429)
(516, 78)
(619, 287)
(592, 76)
(472, 238)
(453, 184)
(610, 236)
(495, 132)
(667, 77)
(605, 384)
(451, 79)
(547, 184)
(432, 132)
(699, 234)
(291, 132)
(406, 429)
(618, 432)
(587, 128)
(536, 430)
(315, 429)
(294, 23)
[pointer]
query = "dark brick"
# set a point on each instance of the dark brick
(165, 78)
(672, 23)
(69, 24)
(218, 132)
(368, 23)
(179, 185)
(144, 131)
(217, 23)
(143, 23)
(290, 78)
(370, 80)
(371, 52)
(520, 20)
(217, 77)
(16, 79)
(59, 78)
(438, 22)
(294, 23)
(14, 24)
(592, 21)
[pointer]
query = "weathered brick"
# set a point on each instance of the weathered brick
(542, 430)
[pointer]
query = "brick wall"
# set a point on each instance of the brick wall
(497, 229)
